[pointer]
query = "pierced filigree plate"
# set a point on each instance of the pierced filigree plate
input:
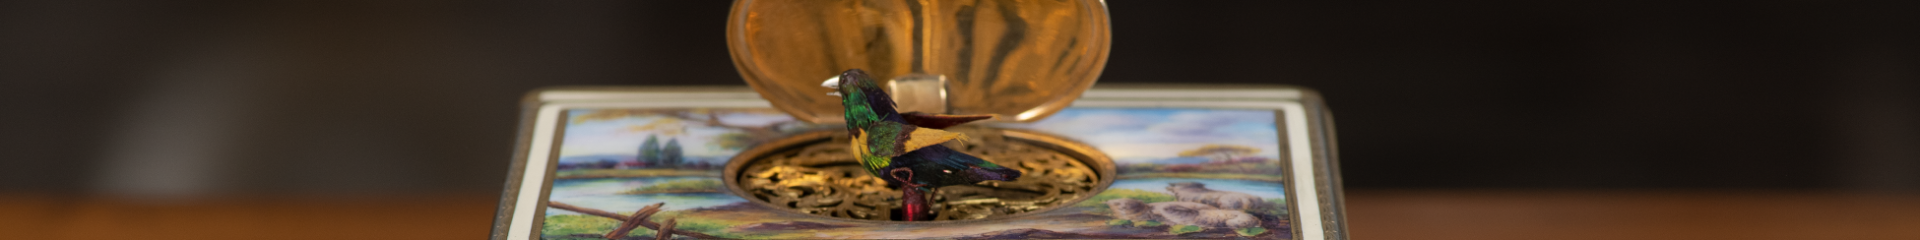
(812, 173)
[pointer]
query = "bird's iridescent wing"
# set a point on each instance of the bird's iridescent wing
(891, 139)
(940, 121)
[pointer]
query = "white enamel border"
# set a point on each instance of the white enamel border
(534, 175)
(1305, 185)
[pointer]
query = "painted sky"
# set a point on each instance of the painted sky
(621, 137)
(1139, 134)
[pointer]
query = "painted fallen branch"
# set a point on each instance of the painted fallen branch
(623, 218)
(665, 227)
(627, 225)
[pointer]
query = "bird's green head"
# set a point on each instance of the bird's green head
(863, 98)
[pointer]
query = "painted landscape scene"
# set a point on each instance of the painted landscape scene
(1184, 173)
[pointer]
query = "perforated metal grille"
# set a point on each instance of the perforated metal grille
(814, 174)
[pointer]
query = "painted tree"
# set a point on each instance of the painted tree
(650, 151)
(1220, 152)
(670, 155)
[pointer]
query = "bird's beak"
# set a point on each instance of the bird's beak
(833, 83)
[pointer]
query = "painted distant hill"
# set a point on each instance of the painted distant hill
(596, 158)
(1178, 160)
(1163, 161)
(625, 158)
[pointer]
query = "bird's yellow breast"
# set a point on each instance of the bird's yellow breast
(858, 146)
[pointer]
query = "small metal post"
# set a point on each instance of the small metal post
(919, 93)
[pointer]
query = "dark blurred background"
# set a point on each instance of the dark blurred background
(1456, 119)
(186, 99)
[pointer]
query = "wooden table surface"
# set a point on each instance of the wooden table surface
(1484, 215)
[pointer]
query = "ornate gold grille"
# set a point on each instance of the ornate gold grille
(812, 173)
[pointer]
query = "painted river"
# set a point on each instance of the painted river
(604, 194)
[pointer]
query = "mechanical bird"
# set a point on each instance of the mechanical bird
(904, 148)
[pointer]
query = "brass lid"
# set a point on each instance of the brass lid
(1022, 60)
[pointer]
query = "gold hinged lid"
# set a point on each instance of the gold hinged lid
(1019, 59)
